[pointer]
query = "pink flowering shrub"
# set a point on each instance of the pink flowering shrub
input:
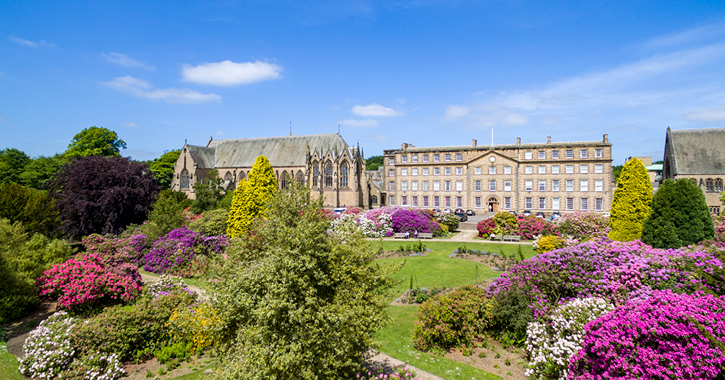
(413, 221)
(583, 225)
(719, 222)
(84, 283)
(654, 338)
(531, 226)
(352, 210)
(485, 227)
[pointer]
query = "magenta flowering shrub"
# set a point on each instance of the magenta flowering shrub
(583, 225)
(654, 338)
(413, 221)
(719, 222)
(183, 252)
(485, 227)
(614, 271)
(352, 210)
(84, 283)
(531, 226)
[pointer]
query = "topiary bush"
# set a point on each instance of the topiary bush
(452, 320)
(663, 337)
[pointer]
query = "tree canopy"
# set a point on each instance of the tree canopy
(163, 168)
(251, 196)
(41, 170)
(95, 141)
(33, 208)
(374, 162)
(12, 164)
(632, 202)
(103, 194)
(680, 216)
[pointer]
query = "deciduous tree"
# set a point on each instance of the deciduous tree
(95, 141)
(680, 216)
(251, 197)
(632, 202)
(12, 164)
(41, 170)
(208, 193)
(103, 195)
(33, 208)
(163, 168)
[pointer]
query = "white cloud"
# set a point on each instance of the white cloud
(220, 133)
(125, 61)
(454, 112)
(706, 115)
(492, 115)
(367, 123)
(375, 110)
(228, 73)
(687, 36)
(143, 89)
(130, 124)
(24, 42)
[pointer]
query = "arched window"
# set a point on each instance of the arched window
(718, 185)
(374, 199)
(283, 180)
(344, 174)
(242, 175)
(184, 179)
(328, 174)
(228, 177)
(301, 178)
(709, 185)
(315, 173)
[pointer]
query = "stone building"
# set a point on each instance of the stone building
(697, 154)
(325, 163)
(541, 177)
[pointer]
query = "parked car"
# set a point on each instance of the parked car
(540, 215)
(555, 216)
(513, 213)
(527, 213)
(339, 210)
(470, 213)
(459, 210)
(462, 215)
(447, 211)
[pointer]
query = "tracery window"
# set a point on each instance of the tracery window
(300, 177)
(283, 180)
(328, 174)
(315, 173)
(185, 180)
(242, 175)
(709, 185)
(343, 175)
(718, 185)
(228, 177)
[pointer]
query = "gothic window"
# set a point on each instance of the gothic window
(300, 178)
(709, 185)
(185, 180)
(374, 199)
(343, 175)
(242, 175)
(328, 174)
(718, 185)
(228, 177)
(315, 173)
(283, 180)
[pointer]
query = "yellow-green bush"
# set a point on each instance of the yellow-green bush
(251, 196)
(549, 243)
(632, 202)
(196, 325)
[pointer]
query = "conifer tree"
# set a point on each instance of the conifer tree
(680, 216)
(632, 202)
(251, 196)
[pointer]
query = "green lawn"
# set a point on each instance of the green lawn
(8, 362)
(396, 340)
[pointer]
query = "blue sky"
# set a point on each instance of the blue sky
(430, 73)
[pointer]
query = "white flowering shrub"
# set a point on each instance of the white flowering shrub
(98, 366)
(550, 345)
(48, 351)
(346, 224)
(165, 285)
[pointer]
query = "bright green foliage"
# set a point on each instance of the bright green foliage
(23, 258)
(41, 170)
(680, 216)
(373, 163)
(296, 302)
(163, 168)
(166, 211)
(632, 202)
(12, 164)
(211, 223)
(506, 223)
(251, 197)
(549, 243)
(33, 208)
(95, 141)
(208, 193)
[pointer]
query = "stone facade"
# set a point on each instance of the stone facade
(544, 177)
(325, 163)
(698, 155)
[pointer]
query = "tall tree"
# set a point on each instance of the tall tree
(33, 208)
(95, 141)
(12, 165)
(295, 302)
(632, 202)
(103, 194)
(251, 197)
(208, 193)
(163, 168)
(680, 216)
(373, 163)
(41, 170)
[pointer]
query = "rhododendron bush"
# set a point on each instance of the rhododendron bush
(531, 226)
(582, 225)
(179, 249)
(385, 221)
(85, 282)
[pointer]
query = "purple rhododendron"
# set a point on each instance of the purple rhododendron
(413, 221)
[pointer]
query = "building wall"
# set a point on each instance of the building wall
(469, 170)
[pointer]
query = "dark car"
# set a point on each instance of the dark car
(462, 215)
(470, 213)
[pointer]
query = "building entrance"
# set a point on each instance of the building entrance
(492, 204)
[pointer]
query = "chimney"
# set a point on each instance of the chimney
(548, 140)
(475, 143)
(518, 141)
(606, 138)
(403, 146)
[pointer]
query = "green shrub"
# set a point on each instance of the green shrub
(33, 208)
(211, 223)
(166, 213)
(549, 243)
(449, 220)
(632, 202)
(126, 330)
(251, 197)
(177, 350)
(452, 320)
(511, 313)
(506, 223)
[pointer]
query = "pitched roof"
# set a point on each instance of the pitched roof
(697, 151)
(281, 151)
(203, 156)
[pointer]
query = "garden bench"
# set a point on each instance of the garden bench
(511, 238)
(497, 238)
(425, 235)
(399, 235)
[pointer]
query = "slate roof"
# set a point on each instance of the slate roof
(281, 151)
(697, 151)
(571, 144)
(203, 156)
